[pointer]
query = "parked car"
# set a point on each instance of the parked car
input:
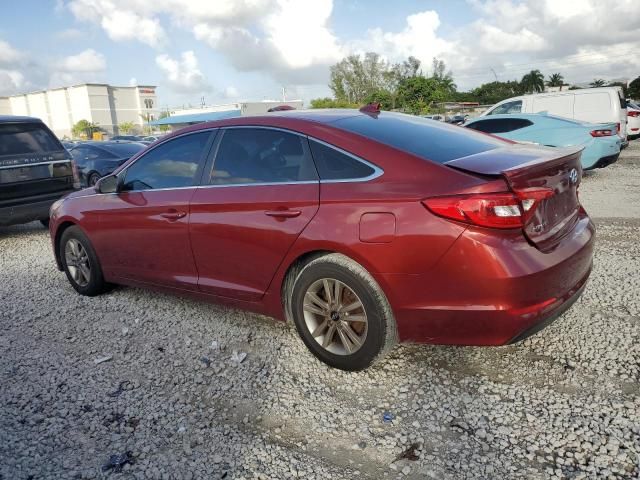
(600, 142)
(595, 105)
(457, 119)
(439, 118)
(130, 138)
(97, 159)
(361, 228)
(633, 120)
(35, 170)
(149, 138)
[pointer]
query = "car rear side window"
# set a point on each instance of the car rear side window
(422, 137)
(500, 125)
(172, 164)
(333, 164)
(262, 155)
(26, 138)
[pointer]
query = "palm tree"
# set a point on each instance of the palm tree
(533, 81)
(598, 82)
(555, 80)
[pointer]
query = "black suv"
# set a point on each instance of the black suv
(35, 170)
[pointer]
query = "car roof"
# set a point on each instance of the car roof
(16, 118)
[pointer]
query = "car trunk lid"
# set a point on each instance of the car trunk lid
(528, 169)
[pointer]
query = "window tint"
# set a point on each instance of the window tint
(79, 153)
(25, 138)
(425, 138)
(99, 153)
(499, 125)
(170, 165)
(335, 165)
(509, 107)
(259, 155)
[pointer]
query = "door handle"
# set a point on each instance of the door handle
(283, 213)
(173, 215)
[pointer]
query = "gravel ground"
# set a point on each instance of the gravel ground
(563, 404)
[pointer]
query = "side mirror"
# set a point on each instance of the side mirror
(108, 184)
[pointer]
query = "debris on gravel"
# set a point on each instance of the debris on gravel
(565, 403)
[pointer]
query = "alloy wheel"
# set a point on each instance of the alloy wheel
(77, 261)
(335, 316)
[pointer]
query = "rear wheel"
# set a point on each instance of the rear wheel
(341, 313)
(80, 263)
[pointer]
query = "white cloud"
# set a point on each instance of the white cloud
(86, 61)
(69, 34)
(495, 40)
(133, 81)
(9, 55)
(121, 20)
(184, 75)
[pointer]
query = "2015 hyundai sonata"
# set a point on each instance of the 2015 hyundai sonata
(362, 227)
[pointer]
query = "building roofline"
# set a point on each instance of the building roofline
(79, 85)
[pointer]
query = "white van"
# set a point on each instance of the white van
(595, 105)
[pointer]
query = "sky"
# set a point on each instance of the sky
(235, 50)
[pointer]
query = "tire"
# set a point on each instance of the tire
(86, 275)
(361, 309)
(93, 179)
(45, 223)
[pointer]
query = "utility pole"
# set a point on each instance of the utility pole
(284, 94)
(494, 73)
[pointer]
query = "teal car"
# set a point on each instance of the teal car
(600, 141)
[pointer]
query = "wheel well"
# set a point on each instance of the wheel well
(56, 244)
(291, 274)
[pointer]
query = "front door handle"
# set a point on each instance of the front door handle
(283, 213)
(173, 215)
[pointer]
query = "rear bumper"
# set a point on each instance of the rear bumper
(29, 209)
(605, 161)
(491, 288)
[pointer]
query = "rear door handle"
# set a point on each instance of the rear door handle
(283, 213)
(173, 215)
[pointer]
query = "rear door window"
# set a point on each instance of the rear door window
(27, 138)
(172, 164)
(262, 155)
(333, 164)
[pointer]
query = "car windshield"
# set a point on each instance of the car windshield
(420, 136)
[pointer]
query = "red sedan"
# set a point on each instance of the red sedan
(364, 228)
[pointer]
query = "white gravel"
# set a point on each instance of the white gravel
(175, 394)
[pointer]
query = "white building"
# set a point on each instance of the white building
(106, 105)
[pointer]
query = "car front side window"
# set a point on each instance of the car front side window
(173, 164)
(262, 155)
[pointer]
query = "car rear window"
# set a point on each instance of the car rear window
(124, 149)
(26, 138)
(422, 137)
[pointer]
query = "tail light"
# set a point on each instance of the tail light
(604, 132)
(633, 113)
(76, 175)
(494, 210)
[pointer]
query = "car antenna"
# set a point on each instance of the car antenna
(372, 109)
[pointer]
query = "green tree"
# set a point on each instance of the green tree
(354, 78)
(597, 82)
(634, 89)
(533, 81)
(418, 94)
(555, 80)
(164, 128)
(84, 128)
(331, 103)
(494, 92)
(126, 127)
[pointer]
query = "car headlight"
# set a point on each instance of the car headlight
(53, 211)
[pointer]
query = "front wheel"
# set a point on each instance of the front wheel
(93, 179)
(341, 313)
(80, 263)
